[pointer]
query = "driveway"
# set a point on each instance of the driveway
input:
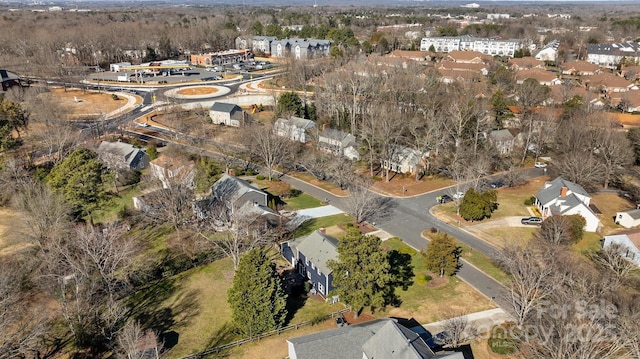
(318, 212)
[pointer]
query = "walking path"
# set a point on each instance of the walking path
(480, 321)
(318, 212)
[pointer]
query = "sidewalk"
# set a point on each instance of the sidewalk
(481, 321)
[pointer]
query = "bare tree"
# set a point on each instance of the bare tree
(459, 330)
(362, 202)
(529, 94)
(612, 259)
(173, 205)
(136, 343)
(614, 151)
(272, 149)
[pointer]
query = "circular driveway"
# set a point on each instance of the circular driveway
(206, 91)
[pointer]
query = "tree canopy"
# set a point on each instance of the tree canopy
(477, 206)
(362, 274)
(442, 255)
(257, 298)
(291, 104)
(79, 178)
(13, 119)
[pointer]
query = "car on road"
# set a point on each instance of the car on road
(458, 195)
(531, 220)
(444, 198)
(539, 165)
(496, 184)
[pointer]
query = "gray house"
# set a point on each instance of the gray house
(120, 155)
(380, 338)
(503, 140)
(562, 198)
(294, 128)
(339, 143)
(309, 256)
(628, 242)
(227, 114)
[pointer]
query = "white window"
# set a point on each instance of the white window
(321, 288)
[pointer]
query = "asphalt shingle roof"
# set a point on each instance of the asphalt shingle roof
(224, 107)
(318, 248)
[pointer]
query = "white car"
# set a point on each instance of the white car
(539, 165)
(458, 195)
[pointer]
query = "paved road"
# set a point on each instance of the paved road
(407, 218)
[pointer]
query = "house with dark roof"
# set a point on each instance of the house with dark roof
(309, 256)
(120, 155)
(300, 48)
(610, 55)
(339, 143)
(9, 79)
(379, 338)
(562, 198)
(629, 218)
(294, 128)
(227, 114)
(628, 244)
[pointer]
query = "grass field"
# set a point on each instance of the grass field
(429, 304)
(324, 222)
(303, 201)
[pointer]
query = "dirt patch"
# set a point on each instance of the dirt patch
(79, 102)
(363, 317)
(436, 281)
(191, 91)
(627, 119)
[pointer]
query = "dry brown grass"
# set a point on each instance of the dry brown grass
(411, 187)
(609, 204)
(11, 225)
(80, 102)
(199, 90)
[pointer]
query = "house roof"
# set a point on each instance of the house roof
(403, 154)
(540, 75)
(463, 66)
(297, 122)
(525, 63)
(413, 55)
(225, 107)
(130, 154)
(633, 213)
(632, 235)
(230, 188)
(466, 56)
(552, 190)
(501, 135)
(343, 137)
(396, 341)
(607, 80)
(318, 248)
(172, 162)
(620, 48)
(579, 66)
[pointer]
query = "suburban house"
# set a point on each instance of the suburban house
(524, 63)
(610, 55)
(629, 243)
(466, 57)
(227, 114)
(464, 66)
(549, 52)
(240, 198)
(404, 160)
(120, 155)
(294, 128)
(339, 143)
(628, 219)
(579, 68)
(378, 338)
(544, 77)
(561, 198)
(419, 56)
(608, 83)
(309, 256)
(173, 169)
(631, 73)
(503, 140)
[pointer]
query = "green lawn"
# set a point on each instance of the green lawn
(118, 202)
(302, 201)
(316, 223)
(428, 304)
(589, 244)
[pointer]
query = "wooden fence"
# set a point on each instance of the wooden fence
(265, 335)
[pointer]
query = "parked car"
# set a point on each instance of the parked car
(458, 195)
(438, 340)
(444, 198)
(539, 165)
(531, 220)
(341, 322)
(496, 184)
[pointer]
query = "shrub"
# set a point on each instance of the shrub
(251, 172)
(423, 279)
(260, 177)
(504, 339)
(275, 179)
(114, 97)
(433, 230)
(295, 192)
(529, 201)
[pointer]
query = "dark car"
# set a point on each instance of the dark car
(531, 220)
(444, 198)
(341, 322)
(496, 184)
(437, 341)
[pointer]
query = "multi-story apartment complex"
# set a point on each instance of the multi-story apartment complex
(610, 55)
(255, 43)
(300, 48)
(488, 46)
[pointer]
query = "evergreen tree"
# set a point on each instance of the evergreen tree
(362, 273)
(13, 118)
(79, 178)
(442, 255)
(289, 103)
(477, 206)
(257, 298)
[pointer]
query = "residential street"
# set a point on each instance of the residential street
(407, 218)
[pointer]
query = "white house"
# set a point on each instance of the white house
(549, 52)
(487, 46)
(610, 55)
(562, 198)
(172, 169)
(227, 114)
(629, 244)
(339, 143)
(628, 219)
(294, 128)
(403, 160)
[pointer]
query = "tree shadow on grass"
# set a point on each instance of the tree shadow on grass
(151, 309)
(296, 288)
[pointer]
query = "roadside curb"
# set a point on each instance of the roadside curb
(316, 187)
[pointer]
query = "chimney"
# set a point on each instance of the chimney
(323, 230)
(563, 191)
